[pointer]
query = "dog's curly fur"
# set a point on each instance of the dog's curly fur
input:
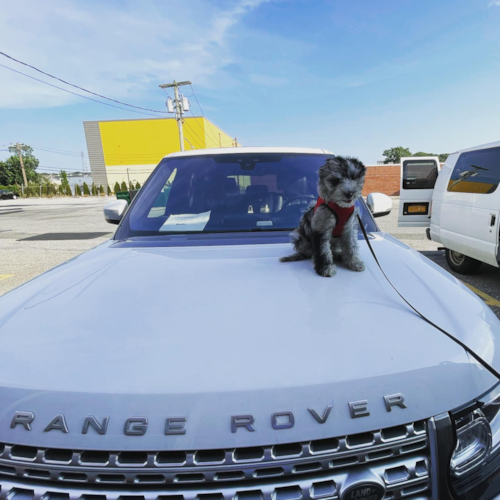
(340, 181)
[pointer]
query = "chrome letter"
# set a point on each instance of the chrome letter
(394, 400)
(284, 425)
(359, 408)
(175, 425)
(136, 426)
(58, 424)
(92, 422)
(318, 417)
(24, 418)
(246, 421)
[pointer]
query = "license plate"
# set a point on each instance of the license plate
(417, 209)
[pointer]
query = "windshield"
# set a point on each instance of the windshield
(226, 193)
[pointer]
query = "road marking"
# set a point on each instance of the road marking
(5, 276)
(487, 298)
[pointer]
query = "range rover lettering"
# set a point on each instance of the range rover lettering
(180, 360)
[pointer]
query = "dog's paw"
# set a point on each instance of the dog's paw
(356, 265)
(327, 271)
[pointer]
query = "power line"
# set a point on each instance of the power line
(77, 86)
(55, 149)
(202, 113)
(74, 93)
(196, 135)
(74, 155)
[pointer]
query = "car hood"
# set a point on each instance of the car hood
(207, 333)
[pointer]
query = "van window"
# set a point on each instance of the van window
(419, 174)
(476, 172)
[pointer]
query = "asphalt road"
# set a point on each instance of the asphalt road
(36, 235)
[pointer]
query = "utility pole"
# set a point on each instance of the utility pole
(18, 147)
(179, 107)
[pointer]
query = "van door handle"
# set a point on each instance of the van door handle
(493, 220)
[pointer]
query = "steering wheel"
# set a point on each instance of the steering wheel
(307, 197)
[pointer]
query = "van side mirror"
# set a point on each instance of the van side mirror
(113, 212)
(379, 204)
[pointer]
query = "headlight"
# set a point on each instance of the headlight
(476, 456)
(473, 443)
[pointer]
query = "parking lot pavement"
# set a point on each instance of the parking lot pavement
(38, 234)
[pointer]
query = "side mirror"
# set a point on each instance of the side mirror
(379, 204)
(113, 212)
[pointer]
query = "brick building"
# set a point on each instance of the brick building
(382, 179)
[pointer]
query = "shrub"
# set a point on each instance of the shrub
(123, 186)
(101, 190)
(68, 191)
(86, 190)
(117, 187)
(78, 191)
(94, 190)
(109, 191)
(14, 188)
(137, 185)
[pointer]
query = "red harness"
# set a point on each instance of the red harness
(341, 214)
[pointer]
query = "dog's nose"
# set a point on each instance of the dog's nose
(349, 194)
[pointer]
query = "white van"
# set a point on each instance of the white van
(459, 203)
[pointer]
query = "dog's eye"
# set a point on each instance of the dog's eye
(334, 182)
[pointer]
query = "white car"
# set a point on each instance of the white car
(182, 361)
(460, 204)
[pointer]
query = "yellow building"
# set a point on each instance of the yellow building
(129, 150)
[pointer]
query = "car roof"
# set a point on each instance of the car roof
(225, 151)
(482, 146)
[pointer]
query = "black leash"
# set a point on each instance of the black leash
(461, 344)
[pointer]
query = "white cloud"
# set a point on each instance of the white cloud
(119, 49)
(494, 2)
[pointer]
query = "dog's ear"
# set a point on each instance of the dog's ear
(358, 167)
(330, 165)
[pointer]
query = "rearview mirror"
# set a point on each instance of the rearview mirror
(379, 204)
(113, 212)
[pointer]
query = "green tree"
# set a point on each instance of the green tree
(442, 157)
(101, 190)
(109, 191)
(68, 191)
(94, 190)
(394, 155)
(78, 191)
(124, 186)
(86, 190)
(131, 186)
(64, 180)
(10, 169)
(117, 187)
(137, 185)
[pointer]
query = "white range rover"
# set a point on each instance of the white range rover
(182, 361)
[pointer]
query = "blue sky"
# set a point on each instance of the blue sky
(352, 76)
